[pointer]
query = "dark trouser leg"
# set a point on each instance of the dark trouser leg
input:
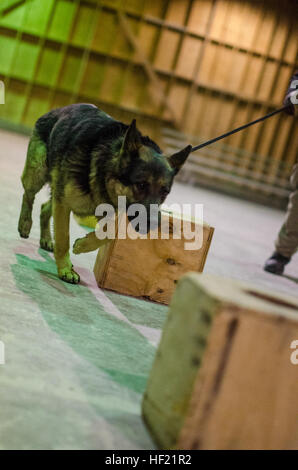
(287, 241)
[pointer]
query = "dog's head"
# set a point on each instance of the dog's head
(144, 175)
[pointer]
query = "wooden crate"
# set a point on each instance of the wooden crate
(150, 268)
(223, 376)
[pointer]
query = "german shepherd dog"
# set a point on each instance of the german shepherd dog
(89, 158)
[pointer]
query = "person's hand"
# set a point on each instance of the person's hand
(291, 101)
(291, 98)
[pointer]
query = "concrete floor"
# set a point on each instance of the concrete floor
(77, 358)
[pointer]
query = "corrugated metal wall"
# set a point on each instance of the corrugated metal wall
(201, 67)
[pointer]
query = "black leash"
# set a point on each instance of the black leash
(197, 147)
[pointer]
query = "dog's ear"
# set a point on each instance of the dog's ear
(176, 161)
(132, 139)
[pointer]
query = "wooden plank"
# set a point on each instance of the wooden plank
(111, 87)
(270, 144)
(188, 57)
(177, 12)
(134, 6)
(198, 64)
(135, 81)
(155, 9)
(104, 35)
(147, 66)
(219, 21)
(199, 17)
(252, 135)
(177, 94)
(166, 51)
(147, 37)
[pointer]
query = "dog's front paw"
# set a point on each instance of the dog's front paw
(78, 246)
(69, 275)
(86, 244)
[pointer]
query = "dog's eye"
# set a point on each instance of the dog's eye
(142, 186)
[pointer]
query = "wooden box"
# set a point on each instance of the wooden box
(150, 268)
(225, 374)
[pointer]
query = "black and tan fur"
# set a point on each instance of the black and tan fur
(89, 158)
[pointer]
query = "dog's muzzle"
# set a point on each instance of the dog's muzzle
(143, 224)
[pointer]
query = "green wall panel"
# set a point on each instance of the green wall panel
(25, 60)
(15, 18)
(37, 16)
(7, 50)
(70, 71)
(60, 99)
(31, 17)
(85, 21)
(49, 65)
(62, 20)
(37, 105)
(93, 77)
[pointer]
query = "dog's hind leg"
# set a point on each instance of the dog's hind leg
(33, 179)
(46, 241)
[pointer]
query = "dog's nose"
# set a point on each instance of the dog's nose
(145, 224)
(131, 218)
(140, 224)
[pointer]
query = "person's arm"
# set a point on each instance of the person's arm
(291, 98)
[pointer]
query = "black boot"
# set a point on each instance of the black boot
(276, 263)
